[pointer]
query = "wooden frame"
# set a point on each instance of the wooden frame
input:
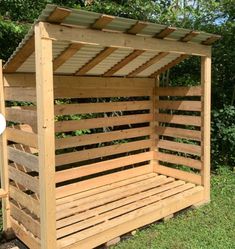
(80, 182)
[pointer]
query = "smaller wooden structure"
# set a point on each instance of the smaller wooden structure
(95, 146)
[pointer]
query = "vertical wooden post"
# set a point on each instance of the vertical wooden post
(46, 138)
(4, 163)
(206, 117)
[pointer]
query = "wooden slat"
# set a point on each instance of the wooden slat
(178, 132)
(25, 200)
(179, 119)
(180, 147)
(26, 50)
(179, 174)
(26, 94)
(58, 15)
(69, 142)
(23, 158)
(182, 105)
(74, 188)
(188, 37)
(102, 22)
(179, 91)
(179, 160)
(147, 64)
(24, 179)
(170, 65)
(165, 32)
(3, 193)
(66, 55)
(96, 60)
(24, 235)
(68, 109)
(66, 126)
(211, 40)
(22, 137)
(26, 220)
(137, 27)
(123, 62)
(74, 173)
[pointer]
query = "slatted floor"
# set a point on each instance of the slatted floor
(85, 214)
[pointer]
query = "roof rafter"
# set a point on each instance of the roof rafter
(96, 60)
(123, 62)
(211, 40)
(188, 37)
(137, 27)
(147, 64)
(58, 15)
(102, 22)
(66, 54)
(165, 32)
(170, 65)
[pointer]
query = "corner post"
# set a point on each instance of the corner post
(46, 138)
(206, 118)
(4, 164)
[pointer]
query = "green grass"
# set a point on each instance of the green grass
(209, 227)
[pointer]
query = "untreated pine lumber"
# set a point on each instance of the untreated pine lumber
(179, 91)
(182, 105)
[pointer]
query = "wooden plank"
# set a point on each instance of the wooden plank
(24, 179)
(66, 126)
(105, 39)
(188, 37)
(211, 40)
(26, 94)
(65, 55)
(4, 175)
(3, 193)
(58, 15)
(102, 22)
(206, 120)
(22, 137)
(26, 220)
(165, 32)
(20, 57)
(146, 216)
(29, 80)
(25, 200)
(137, 28)
(96, 60)
(46, 138)
(178, 132)
(174, 159)
(179, 91)
(101, 181)
(24, 235)
(78, 156)
(179, 174)
(23, 158)
(147, 64)
(180, 147)
(182, 105)
(170, 65)
(94, 168)
(179, 119)
(81, 108)
(123, 62)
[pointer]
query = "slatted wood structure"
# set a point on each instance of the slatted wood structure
(95, 146)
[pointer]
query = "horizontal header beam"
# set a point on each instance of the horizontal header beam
(107, 39)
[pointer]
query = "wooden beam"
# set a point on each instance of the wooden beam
(136, 28)
(123, 62)
(102, 22)
(21, 56)
(170, 65)
(122, 40)
(188, 37)
(165, 32)
(4, 162)
(147, 64)
(96, 60)
(58, 15)
(46, 139)
(206, 103)
(211, 40)
(66, 54)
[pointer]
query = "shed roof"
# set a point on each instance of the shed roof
(87, 59)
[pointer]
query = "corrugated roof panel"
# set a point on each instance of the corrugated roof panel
(58, 47)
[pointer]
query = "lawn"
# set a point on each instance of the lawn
(209, 227)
